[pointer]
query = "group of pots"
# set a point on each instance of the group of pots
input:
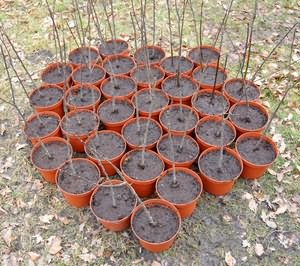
(158, 116)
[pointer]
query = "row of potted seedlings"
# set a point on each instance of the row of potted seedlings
(158, 121)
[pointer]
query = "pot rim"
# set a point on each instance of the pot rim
(73, 113)
(257, 135)
(156, 202)
(231, 152)
(188, 171)
(47, 140)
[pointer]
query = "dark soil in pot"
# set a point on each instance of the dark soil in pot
(207, 76)
(122, 111)
(119, 65)
(186, 87)
(107, 145)
(188, 152)
(186, 189)
(204, 104)
(166, 227)
(180, 120)
(113, 47)
(60, 152)
(230, 167)
(46, 96)
(86, 74)
(248, 117)
(256, 151)
(80, 123)
(204, 55)
(135, 137)
(58, 74)
(172, 67)
(83, 55)
(132, 165)
(144, 75)
(238, 90)
(118, 86)
(102, 202)
(211, 132)
(82, 96)
(150, 101)
(78, 176)
(154, 55)
(41, 126)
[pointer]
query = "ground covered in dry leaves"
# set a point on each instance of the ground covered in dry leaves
(258, 223)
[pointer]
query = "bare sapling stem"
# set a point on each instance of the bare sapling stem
(153, 21)
(97, 156)
(170, 32)
(56, 31)
(72, 33)
(224, 22)
(180, 148)
(80, 20)
(134, 31)
(110, 27)
(11, 86)
(151, 220)
(194, 21)
(16, 53)
(200, 32)
(250, 40)
(174, 181)
(273, 50)
(181, 21)
(288, 88)
(137, 115)
(113, 19)
(74, 17)
(217, 71)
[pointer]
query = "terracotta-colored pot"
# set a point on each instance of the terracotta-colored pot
(218, 86)
(77, 141)
(96, 83)
(134, 146)
(65, 84)
(187, 72)
(218, 187)
(234, 100)
(177, 132)
(55, 133)
(82, 199)
(156, 247)
(120, 77)
(144, 188)
(123, 52)
(185, 209)
(205, 145)
(212, 48)
(240, 130)
(175, 99)
(118, 225)
(97, 61)
(57, 107)
(114, 57)
(49, 174)
(207, 91)
(253, 171)
(115, 126)
(145, 84)
(74, 89)
(154, 47)
(169, 163)
(155, 114)
(109, 169)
